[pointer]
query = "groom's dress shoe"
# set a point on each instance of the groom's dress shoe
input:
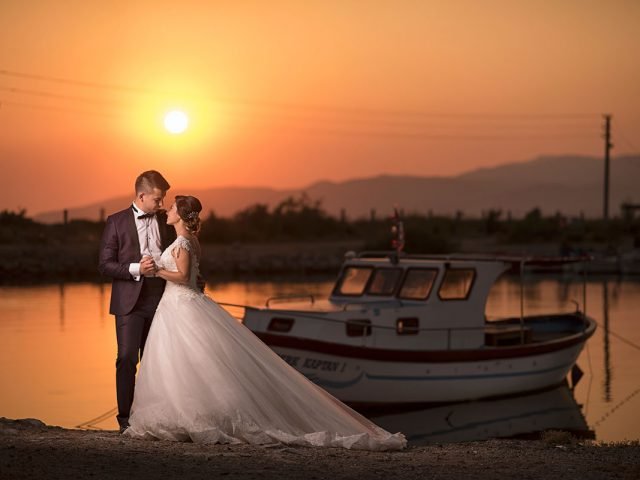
(123, 428)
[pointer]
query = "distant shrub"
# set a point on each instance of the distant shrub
(9, 218)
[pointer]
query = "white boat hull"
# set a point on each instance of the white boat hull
(364, 381)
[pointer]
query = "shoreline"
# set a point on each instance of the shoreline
(22, 263)
(31, 449)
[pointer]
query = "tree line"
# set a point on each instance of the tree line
(302, 219)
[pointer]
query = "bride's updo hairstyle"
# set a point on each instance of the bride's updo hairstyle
(189, 209)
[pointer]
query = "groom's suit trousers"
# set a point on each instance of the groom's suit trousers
(131, 331)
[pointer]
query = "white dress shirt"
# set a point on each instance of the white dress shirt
(149, 237)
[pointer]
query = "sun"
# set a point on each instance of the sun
(176, 122)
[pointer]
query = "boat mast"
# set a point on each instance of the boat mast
(397, 230)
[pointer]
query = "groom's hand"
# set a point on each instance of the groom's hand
(147, 266)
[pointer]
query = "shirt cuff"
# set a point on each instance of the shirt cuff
(134, 270)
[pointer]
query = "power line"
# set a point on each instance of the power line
(56, 109)
(45, 94)
(342, 121)
(486, 116)
(624, 138)
(427, 122)
(315, 108)
(433, 134)
(79, 83)
(570, 129)
(573, 128)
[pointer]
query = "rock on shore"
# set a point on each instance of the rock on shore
(31, 449)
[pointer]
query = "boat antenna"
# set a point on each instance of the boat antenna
(397, 230)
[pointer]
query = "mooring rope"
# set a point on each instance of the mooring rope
(586, 409)
(608, 413)
(91, 424)
(619, 337)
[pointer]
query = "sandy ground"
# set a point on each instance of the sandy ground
(30, 449)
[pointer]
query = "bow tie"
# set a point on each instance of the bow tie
(140, 214)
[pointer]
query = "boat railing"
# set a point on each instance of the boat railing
(350, 306)
(478, 257)
(494, 328)
(285, 298)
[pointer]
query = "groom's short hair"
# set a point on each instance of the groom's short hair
(149, 180)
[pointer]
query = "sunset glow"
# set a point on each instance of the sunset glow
(313, 90)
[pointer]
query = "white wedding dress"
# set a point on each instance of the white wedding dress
(206, 378)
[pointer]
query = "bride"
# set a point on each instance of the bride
(206, 378)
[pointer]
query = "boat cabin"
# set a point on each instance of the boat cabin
(444, 293)
(399, 301)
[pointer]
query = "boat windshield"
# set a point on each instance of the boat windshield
(418, 283)
(384, 281)
(457, 283)
(354, 280)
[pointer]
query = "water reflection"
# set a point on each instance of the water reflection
(607, 344)
(61, 289)
(64, 340)
(523, 417)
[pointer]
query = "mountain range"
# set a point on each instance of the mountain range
(572, 185)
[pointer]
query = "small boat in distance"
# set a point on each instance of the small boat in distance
(404, 330)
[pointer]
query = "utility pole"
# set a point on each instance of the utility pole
(607, 149)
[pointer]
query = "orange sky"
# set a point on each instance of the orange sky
(284, 93)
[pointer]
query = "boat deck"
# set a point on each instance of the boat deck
(539, 329)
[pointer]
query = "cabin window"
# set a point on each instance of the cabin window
(358, 328)
(418, 283)
(456, 283)
(354, 280)
(407, 326)
(384, 281)
(282, 325)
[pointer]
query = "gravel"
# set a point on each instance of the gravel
(31, 449)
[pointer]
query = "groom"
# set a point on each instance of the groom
(132, 243)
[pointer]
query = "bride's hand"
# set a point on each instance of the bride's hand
(147, 266)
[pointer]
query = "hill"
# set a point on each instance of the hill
(572, 185)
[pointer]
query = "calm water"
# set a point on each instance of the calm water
(57, 360)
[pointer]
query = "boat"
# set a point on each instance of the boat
(619, 263)
(408, 330)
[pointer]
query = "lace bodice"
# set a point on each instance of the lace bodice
(169, 263)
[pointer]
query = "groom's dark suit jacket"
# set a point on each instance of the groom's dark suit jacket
(119, 248)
